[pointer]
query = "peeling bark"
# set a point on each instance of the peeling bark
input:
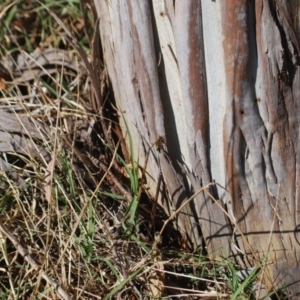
(220, 81)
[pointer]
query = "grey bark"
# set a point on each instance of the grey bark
(220, 81)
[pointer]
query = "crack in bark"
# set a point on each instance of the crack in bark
(288, 59)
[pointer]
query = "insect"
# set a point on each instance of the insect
(159, 143)
(134, 80)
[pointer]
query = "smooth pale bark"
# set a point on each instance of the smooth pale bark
(220, 81)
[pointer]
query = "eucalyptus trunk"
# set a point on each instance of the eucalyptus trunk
(216, 84)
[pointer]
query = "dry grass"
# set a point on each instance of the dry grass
(75, 222)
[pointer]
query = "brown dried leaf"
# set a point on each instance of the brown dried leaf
(6, 168)
(14, 143)
(37, 64)
(157, 280)
(17, 124)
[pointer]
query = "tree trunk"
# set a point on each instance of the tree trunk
(218, 81)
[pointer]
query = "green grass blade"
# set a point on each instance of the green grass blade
(246, 283)
(123, 283)
(113, 269)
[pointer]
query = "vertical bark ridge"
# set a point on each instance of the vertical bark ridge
(188, 34)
